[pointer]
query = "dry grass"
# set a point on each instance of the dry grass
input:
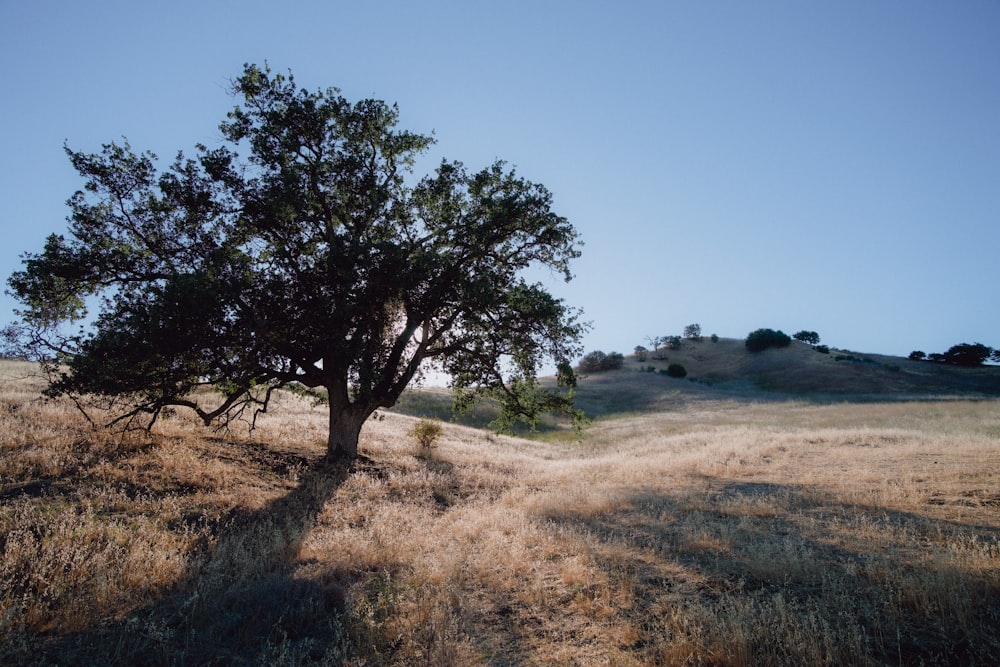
(719, 531)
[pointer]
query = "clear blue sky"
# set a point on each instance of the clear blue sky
(830, 166)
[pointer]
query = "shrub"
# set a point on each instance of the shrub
(676, 371)
(761, 339)
(715, 338)
(822, 349)
(672, 342)
(640, 353)
(917, 355)
(426, 432)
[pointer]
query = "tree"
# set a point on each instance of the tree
(692, 331)
(968, 354)
(640, 353)
(597, 361)
(808, 337)
(761, 339)
(311, 263)
(917, 355)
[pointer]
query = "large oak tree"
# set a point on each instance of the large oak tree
(314, 261)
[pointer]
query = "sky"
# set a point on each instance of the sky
(822, 166)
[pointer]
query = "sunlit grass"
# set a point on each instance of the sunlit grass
(715, 530)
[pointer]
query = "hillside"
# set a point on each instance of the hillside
(727, 370)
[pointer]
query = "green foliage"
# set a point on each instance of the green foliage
(315, 259)
(672, 342)
(762, 339)
(822, 349)
(426, 432)
(676, 371)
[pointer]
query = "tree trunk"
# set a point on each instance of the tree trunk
(345, 428)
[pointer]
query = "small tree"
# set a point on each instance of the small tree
(313, 262)
(640, 353)
(672, 342)
(917, 355)
(808, 337)
(692, 332)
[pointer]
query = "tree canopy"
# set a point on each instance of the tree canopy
(312, 262)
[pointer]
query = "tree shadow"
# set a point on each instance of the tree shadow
(744, 569)
(240, 600)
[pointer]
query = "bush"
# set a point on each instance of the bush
(761, 339)
(715, 338)
(676, 371)
(426, 432)
(917, 355)
(823, 349)
(640, 353)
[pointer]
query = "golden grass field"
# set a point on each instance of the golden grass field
(715, 529)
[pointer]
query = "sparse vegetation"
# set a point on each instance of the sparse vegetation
(693, 332)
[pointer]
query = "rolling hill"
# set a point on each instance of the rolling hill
(727, 370)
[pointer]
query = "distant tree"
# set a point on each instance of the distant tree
(672, 342)
(640, 353)
(808, 337)
(692, 332)
(654, 342)
(996, 355)
(762, 339)
(917, 355)
(596, 361)
(715, 338)
(937, 357)
(314, 261)
(968, 354)
(593, 362)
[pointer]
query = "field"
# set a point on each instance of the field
(690, 524)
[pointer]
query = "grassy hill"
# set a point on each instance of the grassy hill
(738, 527)
(726, 369)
